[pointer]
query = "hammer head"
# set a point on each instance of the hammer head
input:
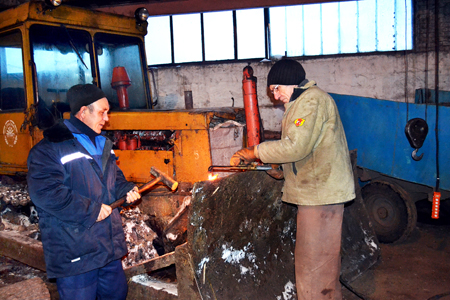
(172, 184)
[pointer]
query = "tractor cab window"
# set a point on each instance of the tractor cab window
(121, 70)
(61, 58)
(12, 93)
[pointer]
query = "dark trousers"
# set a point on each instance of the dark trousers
(107, 283)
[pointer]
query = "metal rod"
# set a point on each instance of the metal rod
(240, 168)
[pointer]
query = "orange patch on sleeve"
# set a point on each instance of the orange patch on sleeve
(299, 122)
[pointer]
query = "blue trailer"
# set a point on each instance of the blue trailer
(392, 180)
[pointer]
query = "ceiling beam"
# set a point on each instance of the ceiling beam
(167, 7)
(172, 7)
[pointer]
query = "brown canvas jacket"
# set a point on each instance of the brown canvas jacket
(313, 151)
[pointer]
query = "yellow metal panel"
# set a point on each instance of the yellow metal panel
(192, 155)
(71, 16)
(14, 144)
(13, 16)
(136, 165)
(165, 120)
(156, 120)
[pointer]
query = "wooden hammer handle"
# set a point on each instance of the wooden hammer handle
(142, 189)
(160, 176)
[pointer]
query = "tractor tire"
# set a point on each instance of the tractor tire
(393, 217)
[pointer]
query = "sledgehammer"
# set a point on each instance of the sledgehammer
(160, 176)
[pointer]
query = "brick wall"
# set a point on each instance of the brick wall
(425, 24)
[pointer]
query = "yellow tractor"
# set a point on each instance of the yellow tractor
(45, 50)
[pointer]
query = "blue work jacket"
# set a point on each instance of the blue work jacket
(68, 187)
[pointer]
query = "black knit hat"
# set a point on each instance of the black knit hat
(82, 95)
(286, 72)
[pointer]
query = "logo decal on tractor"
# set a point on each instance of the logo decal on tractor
(299, 122)
(10, 132)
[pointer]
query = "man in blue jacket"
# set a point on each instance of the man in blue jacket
(72, 177)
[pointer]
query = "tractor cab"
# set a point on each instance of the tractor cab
(44, 52)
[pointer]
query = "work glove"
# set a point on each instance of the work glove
(244, 156)
(276, 172)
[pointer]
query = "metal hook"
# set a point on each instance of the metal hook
(414, 155)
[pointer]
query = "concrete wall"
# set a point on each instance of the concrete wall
(390, 76)
(384, 76)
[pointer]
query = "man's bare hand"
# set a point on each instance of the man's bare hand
(105, 211)
(276, 172)
(133, 195)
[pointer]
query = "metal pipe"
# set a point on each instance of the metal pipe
(251, 107)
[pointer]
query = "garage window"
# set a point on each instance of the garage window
(301, 30)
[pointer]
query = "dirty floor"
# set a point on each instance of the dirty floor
(416, 269)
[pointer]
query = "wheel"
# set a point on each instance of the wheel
(393, 217)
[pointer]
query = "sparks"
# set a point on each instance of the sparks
(212, 177)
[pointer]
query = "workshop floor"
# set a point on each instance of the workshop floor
(416, 269)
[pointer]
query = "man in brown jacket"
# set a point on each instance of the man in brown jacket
(318, 176)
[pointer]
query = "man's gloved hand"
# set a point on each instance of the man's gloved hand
(244, 156)
(276, 172)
